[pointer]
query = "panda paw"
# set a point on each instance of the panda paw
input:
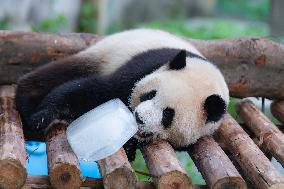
(40, 120)
(43, 120)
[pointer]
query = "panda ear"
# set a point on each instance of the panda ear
(179, 61)
(215, 108)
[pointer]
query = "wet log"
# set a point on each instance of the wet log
(270, 138)
(215, 166)
(252, 66)
(253, 163)
(12, 145)
(63, 165)
(277, 109)
(117, 171)
(163, 164)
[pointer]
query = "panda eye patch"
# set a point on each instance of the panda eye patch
(168, 115)
(148, 96)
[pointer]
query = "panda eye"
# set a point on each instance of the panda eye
(148, 96)
(168, 115)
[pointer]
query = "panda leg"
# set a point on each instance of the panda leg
(69, 101)
(34, 86)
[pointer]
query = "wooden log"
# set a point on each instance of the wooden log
(277, 109)
(271, 139)
(63, 165)
(12, 145)
(254, 164)
(215, 166)
(252, 66)
(42, 182)
(20, 52)
(117, 171)
(162, 162)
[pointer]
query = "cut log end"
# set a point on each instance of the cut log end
(117, 171)
(163, 163)
(65, 176)
(63, 165)
(120, 178)
(215, 166)
(12, 174)
(173, 180)
(230, 183)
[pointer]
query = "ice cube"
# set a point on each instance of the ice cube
(102, 131)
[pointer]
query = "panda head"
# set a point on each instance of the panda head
(180, 102)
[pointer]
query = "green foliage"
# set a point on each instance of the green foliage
(139, 165)
(248, 9)
(51, 25)
(87, 18)
(213, 29)
(190, 168)
(4, 23)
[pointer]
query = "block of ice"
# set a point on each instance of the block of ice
(101, 131)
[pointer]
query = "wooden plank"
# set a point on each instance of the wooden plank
(277, 109)
(117, 171)
(162, 162)
(252, 66)
(215, 166)
(253, 163)
(63, 165)
(270, 138)
(12, 145)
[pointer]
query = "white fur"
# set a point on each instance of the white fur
(183, 90)
(115, 50)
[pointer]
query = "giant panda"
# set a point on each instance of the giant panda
(174, 92)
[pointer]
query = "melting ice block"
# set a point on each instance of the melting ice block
(101, 131)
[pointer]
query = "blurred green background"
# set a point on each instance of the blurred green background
(220, 19)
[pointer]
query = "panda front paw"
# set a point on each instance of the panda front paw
(40, 120)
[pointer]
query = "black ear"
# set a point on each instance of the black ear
(215, 108)
(179, 61)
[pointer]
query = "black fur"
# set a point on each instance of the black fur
(168, 115)
(215, 108)
(65, 90)
(179, 61)
(148, 96)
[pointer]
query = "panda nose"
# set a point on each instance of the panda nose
(138, 120)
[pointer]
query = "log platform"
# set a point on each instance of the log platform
(270, 138)
(230, 160)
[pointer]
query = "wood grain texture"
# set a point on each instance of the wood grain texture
(63, 165)
(117, 172)
(251, 160)
(214, 165)
(42, 182)
(277, 109)
(12, 145)
(252, 66)
(162, 162)
(20, 52)
(270, 138)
